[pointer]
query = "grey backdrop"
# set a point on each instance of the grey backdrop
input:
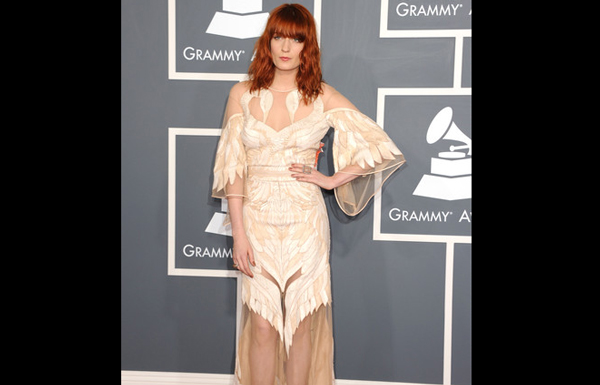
(401, 294)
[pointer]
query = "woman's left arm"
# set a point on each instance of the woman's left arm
(361, 148)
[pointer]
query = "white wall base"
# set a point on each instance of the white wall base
(130, 377)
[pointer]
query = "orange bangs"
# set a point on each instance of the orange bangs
(295, 21)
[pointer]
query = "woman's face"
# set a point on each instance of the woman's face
(286, 52)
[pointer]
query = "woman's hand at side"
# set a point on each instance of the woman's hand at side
(242, 254)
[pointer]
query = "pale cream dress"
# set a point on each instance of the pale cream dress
(286, 220)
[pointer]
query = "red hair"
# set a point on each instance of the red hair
(293, 21)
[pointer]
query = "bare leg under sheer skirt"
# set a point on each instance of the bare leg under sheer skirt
(310, 359)
(286, 349)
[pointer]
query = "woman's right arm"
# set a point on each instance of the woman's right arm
(242, 250)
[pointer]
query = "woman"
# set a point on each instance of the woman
(266, 169)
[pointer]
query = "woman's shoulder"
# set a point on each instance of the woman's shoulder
(238, 89)
(234, 102)
(332, 98)
(328, 91)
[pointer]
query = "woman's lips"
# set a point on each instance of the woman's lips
(284, 58)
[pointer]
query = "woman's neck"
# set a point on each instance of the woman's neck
(284, 80)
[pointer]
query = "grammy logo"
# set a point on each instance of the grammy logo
(450, 177)
(215, 225)
(244, 23)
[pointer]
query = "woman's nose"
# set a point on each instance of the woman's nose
(285, 47)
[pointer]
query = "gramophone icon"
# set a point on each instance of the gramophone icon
(450, 177)
(243, 23)
(215, 225)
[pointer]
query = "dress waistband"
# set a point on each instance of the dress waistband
(270, 172)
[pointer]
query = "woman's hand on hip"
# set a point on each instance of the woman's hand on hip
(306, 173)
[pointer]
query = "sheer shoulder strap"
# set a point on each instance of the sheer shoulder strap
(358, 140)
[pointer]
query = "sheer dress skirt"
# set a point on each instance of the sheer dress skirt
(288, 228)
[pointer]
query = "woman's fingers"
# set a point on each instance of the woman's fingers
(251, 257)
(243, 264)
(248, 272)
(304, 173)
(301, 168)
(241, 253)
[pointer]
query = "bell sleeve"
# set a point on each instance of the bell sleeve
(358, 140)
(230, 159)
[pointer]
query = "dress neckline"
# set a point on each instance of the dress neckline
(290, 90)
(292, 102)
(289, 125)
